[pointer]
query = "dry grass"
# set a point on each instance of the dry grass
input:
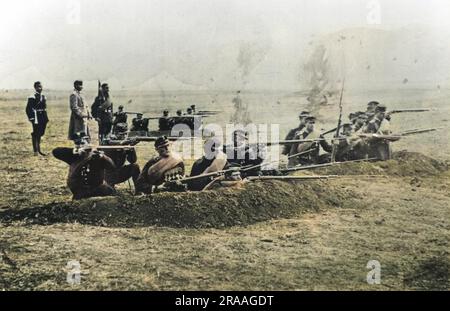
(324, 241)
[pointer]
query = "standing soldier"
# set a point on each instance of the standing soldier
(37, 114)
(158, 169)
(120, 117)
(78, 126)
(102, 111)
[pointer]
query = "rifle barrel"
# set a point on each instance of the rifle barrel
(253, 178)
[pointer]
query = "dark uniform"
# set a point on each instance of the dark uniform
(314, 156)
(140, 125)
(214, 160)
(102, 111)
(122, 172)
(37, 114)
(165, 122)
(294, 132)
(86, 173)
(120, 117)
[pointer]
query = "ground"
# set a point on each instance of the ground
(315, 235)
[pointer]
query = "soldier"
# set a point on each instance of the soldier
(78, 126)
(122, 172)
(160, 168)
(120, 117)
(140, 125)
(314, 156)
(242, 154)
(37, 114)
(214, 160)
(165, 122)
(371, 106)
(295, 132)
(360, 122)
(87, 171)
(102, 111)
(344, 144)
(379, 148)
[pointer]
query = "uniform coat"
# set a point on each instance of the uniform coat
(79, 116)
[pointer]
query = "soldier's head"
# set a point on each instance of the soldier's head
(189, 110)
(120, 108)
(371, 106)
(139, 116)
(347, 129)
(166, 113)
(310, 122)
(302, 116)
(193, 107)
(380, 112)
(162, 145)
(240, 137)
(362, 119)
(105, 88)
(38, 87)
(179, 113)
(78, 85)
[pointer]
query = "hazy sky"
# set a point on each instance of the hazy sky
(209, 43)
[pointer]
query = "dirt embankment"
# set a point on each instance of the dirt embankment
(254, 202)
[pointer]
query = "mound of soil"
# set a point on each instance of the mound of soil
(403, 164)
(226, 207)
(254, 202)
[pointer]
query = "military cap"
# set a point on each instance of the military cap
(381, 108)
(304, 114)
(373, 103)
(166, 111)
(120, 107)
(161, 142)
(78, 82)
(310, 119)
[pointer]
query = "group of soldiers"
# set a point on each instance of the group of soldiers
(352, 140)
(95, 171)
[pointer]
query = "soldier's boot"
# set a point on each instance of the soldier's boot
(34, 142)
(38, 145)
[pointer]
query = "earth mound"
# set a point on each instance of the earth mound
(251, 203)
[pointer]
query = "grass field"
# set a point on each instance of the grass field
(265, 236)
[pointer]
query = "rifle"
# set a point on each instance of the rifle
(255, 178)
(408, 110)
(207, 175)
(152, 139)
(396, 137)
(308, 167)
(333, 152)
(292, 141)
